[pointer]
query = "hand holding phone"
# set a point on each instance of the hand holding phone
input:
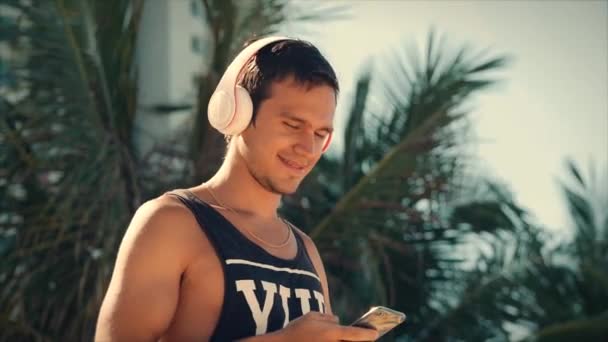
(316, 326)
(380, 318)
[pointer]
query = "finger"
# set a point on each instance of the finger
(328, 317)
(349, 333)
(320, 316)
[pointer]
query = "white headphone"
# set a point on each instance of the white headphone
(230, 107)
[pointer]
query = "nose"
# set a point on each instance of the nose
(306, 144)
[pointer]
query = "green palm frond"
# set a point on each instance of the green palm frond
(68, 181)
(354, 135)
(587, 203)
(552, 292)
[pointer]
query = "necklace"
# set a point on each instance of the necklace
(282, 244)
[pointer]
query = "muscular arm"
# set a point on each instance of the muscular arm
(143, 292)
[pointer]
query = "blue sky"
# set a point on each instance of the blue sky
(552, 103)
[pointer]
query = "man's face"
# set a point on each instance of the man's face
(290, 130)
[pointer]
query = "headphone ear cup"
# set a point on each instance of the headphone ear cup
(220, 110)
(327, 142)
(242, 114)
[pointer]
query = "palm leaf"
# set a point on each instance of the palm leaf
(554, 292)
(69, 184)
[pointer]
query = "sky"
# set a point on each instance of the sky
(552, 102)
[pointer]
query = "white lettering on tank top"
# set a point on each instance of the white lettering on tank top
(260, 314)
(285, 293)
(320, 301)
(304, 296)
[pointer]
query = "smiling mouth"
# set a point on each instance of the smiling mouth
(292, 165)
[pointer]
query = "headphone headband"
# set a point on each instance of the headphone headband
(228, 81)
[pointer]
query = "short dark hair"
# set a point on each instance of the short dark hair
(280, 59)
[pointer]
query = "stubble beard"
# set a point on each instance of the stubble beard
(268, 184)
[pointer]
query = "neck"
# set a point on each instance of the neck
(238, 190)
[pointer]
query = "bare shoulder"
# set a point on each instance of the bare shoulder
(163, 208)
(163, 234)
(166, 221)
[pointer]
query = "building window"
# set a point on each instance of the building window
(195, 8)
(197, 45)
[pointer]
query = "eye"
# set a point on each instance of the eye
(321, 135)
(291, 126)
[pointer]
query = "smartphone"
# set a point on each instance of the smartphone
(380, 318)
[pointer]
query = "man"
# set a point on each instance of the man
(215, 262)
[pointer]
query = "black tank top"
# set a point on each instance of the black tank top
(262, 293)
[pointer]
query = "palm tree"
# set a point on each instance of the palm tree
(575, 304)
(530, 284)
(382, 212)
(69, 176)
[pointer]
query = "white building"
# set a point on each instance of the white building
(170, 54)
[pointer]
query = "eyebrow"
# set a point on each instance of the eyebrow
(303, 121)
